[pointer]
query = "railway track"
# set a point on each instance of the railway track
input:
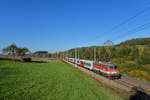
(126, 87)
(131, 84)
(138, 91)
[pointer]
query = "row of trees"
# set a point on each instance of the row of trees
(132, 56)
(14, 50)
(108, 52)
(131, 52)
(142, 41)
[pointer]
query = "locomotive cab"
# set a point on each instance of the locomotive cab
(113, 68)
(113, 71)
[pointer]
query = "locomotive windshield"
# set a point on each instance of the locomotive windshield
(113, 67)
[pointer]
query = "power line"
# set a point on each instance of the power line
(122, 23)
(133, 31)
(129, 19)
(139, 28)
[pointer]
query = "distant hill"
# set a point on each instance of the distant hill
(138, 41)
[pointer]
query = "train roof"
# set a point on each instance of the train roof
(103, 62)
(106, 63)
(89, 61)
(86, 60)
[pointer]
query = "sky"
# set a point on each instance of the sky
(58, 25)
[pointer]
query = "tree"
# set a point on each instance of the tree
(13, 50)
(134, 53)
(21, 51)
(108, 45)
(10, 50)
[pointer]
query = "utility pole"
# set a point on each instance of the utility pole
(75, 53)
(78, 54)
(95, 53)
(75, 57)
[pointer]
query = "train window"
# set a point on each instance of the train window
(115, 67)
(111, 67)
(88, 64)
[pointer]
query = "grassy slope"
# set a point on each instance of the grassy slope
(48, 81)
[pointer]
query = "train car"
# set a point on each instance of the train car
(78, 62)
(71, 60)
(75, 61)
(108, 69)
(82, 63)
(88, 64)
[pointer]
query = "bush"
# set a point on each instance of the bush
(118, 60)
(129, 66)
(144, 59)
(139, 74)
(26, 59)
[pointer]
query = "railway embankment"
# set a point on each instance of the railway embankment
(33, 59)
(127, 87)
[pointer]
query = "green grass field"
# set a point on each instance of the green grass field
(48, 81)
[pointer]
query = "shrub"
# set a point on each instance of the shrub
(127, 58)
(148, 78)
(26, 59)
(139, 74)
(129, 65)
(118, 60)
(144, 59)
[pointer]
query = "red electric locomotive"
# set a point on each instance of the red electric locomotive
(107, 69)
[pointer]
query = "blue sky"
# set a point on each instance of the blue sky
(57, 25)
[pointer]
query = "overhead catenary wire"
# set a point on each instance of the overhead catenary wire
(130, 18)
(139, 28)
(133, 31)
(121, 24)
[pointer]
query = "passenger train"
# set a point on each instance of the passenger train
(107, 69)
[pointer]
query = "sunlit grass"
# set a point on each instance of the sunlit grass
(48, 81)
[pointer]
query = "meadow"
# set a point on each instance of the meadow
(49, 81)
